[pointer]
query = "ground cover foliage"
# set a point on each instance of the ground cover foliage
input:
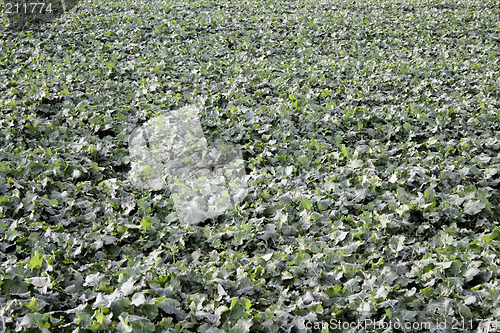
(370, 132)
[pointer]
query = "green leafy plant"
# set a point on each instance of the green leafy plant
(369, 132)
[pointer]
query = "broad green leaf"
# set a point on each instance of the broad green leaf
(306, 204)
(473, 207)
(128, 287)
(470, 273)
(35, 261)
(427, 292)
(145, 223)
(33, 305)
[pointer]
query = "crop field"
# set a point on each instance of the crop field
(370, 137)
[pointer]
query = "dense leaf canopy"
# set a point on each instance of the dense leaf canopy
(370, 132)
